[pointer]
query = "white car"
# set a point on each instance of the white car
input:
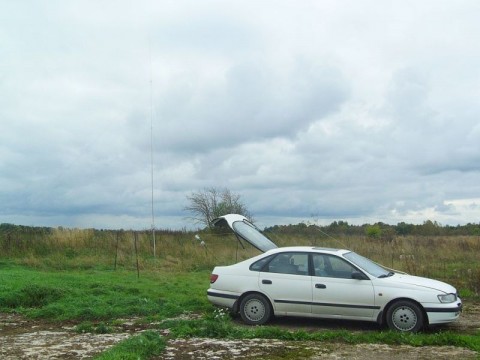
(325, 283)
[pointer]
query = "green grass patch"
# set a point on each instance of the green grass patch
(31, 296)
(139, 347)
(100, 295)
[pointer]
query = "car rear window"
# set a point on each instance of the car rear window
(253, 236)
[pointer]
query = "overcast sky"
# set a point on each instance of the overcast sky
(361, 111)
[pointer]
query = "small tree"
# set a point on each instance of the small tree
(373, 231)
(211, 203)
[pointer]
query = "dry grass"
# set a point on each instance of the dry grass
(453, 259)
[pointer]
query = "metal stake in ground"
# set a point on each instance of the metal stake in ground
(135, 238)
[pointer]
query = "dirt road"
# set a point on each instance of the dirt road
(21, 338)
(214, 349)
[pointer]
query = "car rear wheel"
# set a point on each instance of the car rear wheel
(255, 309)
(405, 316)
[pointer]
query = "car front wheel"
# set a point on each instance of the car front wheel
(405, 316)
(255, 309)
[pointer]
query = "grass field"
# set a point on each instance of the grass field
(94, 278)
(96, 295)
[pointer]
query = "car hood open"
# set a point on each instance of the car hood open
(245, 230)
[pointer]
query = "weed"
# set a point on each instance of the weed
(102, 328)
(220, 315)
(89, 327)
(85, 327)
(139, 347)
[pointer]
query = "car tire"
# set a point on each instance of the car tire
(405, 316)
(255, 309)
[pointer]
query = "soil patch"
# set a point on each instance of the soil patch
(22, 338)
(210, 349)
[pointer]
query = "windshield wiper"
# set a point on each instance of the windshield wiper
(391, 273)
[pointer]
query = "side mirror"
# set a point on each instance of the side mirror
(357, 275)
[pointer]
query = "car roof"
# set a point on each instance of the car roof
(321, 250)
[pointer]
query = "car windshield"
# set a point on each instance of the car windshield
(367, 265)
(253, 236)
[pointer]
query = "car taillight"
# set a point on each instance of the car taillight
(213, 278)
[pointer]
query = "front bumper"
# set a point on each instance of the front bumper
(442, 315)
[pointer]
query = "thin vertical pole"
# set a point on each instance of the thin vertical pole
(151, 148)
(116, 251)
(135, 237)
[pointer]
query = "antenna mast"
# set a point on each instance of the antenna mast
(151, 148)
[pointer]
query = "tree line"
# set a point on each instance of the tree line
(206, 205)
(336, 228)
(379, 229)
(209, 203)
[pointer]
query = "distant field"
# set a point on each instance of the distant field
(455, 259)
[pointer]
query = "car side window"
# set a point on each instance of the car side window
(320, 265)
(289, 263)
(332, 266)
(260, 264)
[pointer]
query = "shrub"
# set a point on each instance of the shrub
(31, 296)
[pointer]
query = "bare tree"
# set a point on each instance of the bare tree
(211, 203)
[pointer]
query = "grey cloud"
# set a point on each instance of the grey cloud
(218, 36)
(425, 137)
(253, 103)
(305, 109)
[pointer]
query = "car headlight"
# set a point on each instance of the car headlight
(447, 298)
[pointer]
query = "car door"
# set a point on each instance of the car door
(335, 293)
(286, 281)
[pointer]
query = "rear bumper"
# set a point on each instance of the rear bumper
(222, 298)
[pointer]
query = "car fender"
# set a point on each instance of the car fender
(387, 292)
(385, 309)
(236, 305)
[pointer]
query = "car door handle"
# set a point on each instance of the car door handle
(320, 286)
(267, 282)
